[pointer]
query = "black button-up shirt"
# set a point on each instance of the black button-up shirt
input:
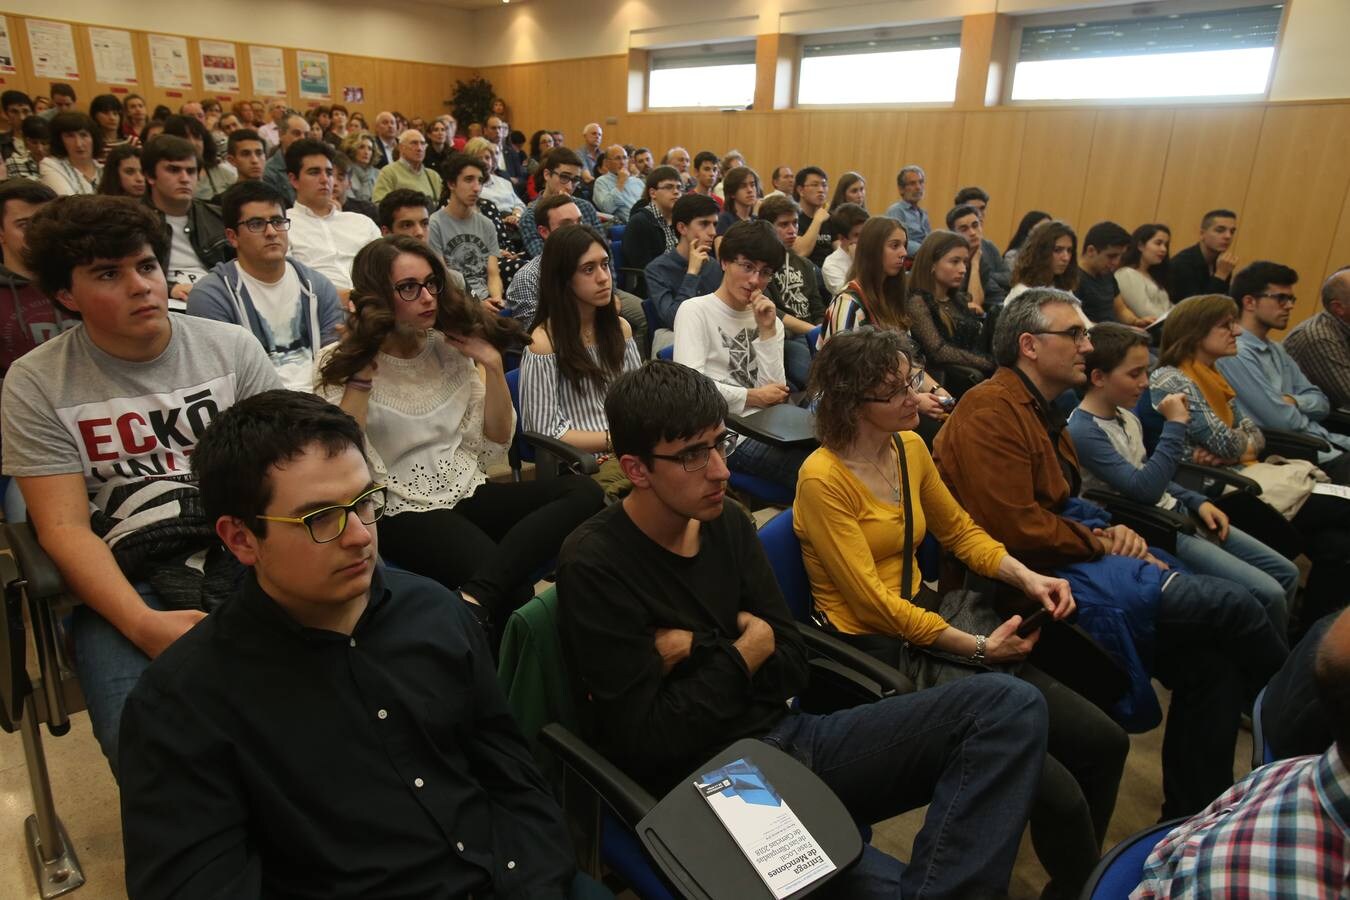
(261, 758)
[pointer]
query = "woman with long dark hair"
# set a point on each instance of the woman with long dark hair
(76, 145)
(578, 345)
(850, 188)
(420, 368)
(106, 111)
(122, 175)
(1029, 221)
(741, 189)
(1048, 258)
(947, 327)
(1142, 277)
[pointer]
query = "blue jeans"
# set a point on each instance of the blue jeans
(972, 749)
(1243, 559)
(109, 665)
(796, 360)
(777, 464)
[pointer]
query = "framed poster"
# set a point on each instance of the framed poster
(114, 61)
(220, 66)
(313, 68)
(7, 66)
(269, 71)
(169, 61)
(53, 46)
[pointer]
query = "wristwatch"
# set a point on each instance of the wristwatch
(978, 656)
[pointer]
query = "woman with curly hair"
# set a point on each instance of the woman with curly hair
(1049, 258)
(359, 147)
(420, 368)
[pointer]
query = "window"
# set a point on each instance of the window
(718, 75)
(912, 69)
(1202, 54)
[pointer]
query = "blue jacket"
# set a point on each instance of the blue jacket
(669, 284)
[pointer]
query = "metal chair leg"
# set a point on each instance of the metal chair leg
(55, 865)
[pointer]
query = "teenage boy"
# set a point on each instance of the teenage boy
(27, 317)
(193, 227)
(462, 236)
(405, 774)
(16, 106)
(34, 148)
(794, 290)
(1103, 246)
(291, 309)
(562, 175)
(405, 211)
(1205, 267)
(706, 170)
(245, 150)
(322, 236)
(987, 276)
(815, 237)
(846, 222)
(650, 230)
(1110, 444)
(113, 436)
(672, 619)
(552, 213)
(688, 269)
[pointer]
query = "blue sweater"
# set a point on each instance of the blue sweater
(669, 283)
(1132, 474)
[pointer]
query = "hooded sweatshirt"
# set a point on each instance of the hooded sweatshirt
(223, 296)
(27, 317)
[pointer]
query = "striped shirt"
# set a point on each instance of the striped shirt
(1284, 831)
(1321, 347)
(845, 314)
(551, 405)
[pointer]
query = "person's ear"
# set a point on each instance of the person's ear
(233, 237)
(636, 470)
(66, 299)
(1026, 345)
(238, 539)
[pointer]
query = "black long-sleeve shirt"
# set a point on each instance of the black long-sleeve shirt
(1189, 274)
(261, 759)
(616, 587)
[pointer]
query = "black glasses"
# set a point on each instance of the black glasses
(695, 458)
(1077, 333)
(259, 225)
(1282, 299)
(567, 179)
(912, 383)
(327, 524)
(410, 289)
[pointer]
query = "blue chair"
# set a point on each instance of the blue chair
(549, 455)
(666, 353)
(1121, 870)
(1262, 754)
(812, 337)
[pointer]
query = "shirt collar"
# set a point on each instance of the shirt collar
(1247, 339)
(1333, 787)
(259, 604)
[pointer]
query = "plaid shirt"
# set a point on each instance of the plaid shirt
(1284, 831)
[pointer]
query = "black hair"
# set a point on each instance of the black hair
(70, 123)
(1209, 217)
(967, 194)
(110, 183)
(662, 401)
(1029, 221)
(546, 205)
(1111, 341)
(239, 135)
(14, 98)
(561, 156)
(1252, 279)
(166, 148)
(233, 458)
(705, 156)
(105, 103)
(659, 174)
(456, 163)
(296, 153)
(242, 192)
(846, 217)
(691, 207)
(960, 212)
(190, 127)
(25, 190)
(35, 128)
(402, 198)
(515, 137)
(62, 90)
(802, 174)
(1105, 235)
(755, 240)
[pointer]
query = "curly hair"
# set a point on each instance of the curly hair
(374, 300)
(851, 366)
(1033, 265)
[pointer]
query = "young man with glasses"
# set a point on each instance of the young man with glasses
(562, 175)
(291, 309)
(683, 643)
(102, 452)
(335, 723)
(1270, 386)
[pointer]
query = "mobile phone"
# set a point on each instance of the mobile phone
(1033, 622)
(947, 402)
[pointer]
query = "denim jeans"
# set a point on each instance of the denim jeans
(777, 464)
(796, 360)
(1216, 648)
(109, 665)
(1243, 559)
(971, 749)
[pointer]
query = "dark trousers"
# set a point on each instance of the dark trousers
(494, 544)
(1324, 523)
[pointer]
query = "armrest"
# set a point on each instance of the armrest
(1338, 420)
(1158, 526)
(889, 680)
(629, 800)
(1197, 477)
(1293, 444)
(44, 579)
(577, 460)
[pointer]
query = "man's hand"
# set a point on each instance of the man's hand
(1121, 541)
(756, 643)
(1175, 408)
(674, 645)
(1225, 264)
(156, 629)
(698, 255)
(1144, 321)
(493, 304)
(1288, 399)
(766, 315)
(766, 395)
(1215, 519)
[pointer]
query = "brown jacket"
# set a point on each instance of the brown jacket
(995, 455)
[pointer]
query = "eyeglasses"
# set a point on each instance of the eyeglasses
(1077, 333)
(1232, 325)
(329, 523)
(410, 289)
(1282, 299)
(750, 270)
(259, 225)
(669, 186)
(696, 458)
(912, 383)
(567, 179)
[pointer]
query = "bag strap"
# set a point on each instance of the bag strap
(907, 563)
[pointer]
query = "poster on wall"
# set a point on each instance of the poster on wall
(269, 71)
(313, 69)
(6, 51)
(114, 61)
(169, 61)
(220, 67)
(353, 94)
(53, 47)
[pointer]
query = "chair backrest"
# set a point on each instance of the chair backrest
(813, 337)
(1121, 869)
(785, 558)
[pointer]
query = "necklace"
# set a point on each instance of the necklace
(893, 485)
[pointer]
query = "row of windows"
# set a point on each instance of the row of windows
(1223, 52)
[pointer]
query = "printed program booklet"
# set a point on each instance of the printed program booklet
(764, 827)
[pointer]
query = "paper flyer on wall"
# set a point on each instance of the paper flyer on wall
(169, 61)
(269, 71)
(114, 60)
(53, 47)
(766, 829)
(314, 71)
(220, 68)
(7, 66)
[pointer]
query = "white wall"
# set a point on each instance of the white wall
(404, 30)
(1312, 63)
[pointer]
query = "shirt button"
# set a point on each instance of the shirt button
(383, 714)
(511, 864)
(353, 642)
(419, 782)
(459, 845)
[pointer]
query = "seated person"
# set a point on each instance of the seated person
(987, 278)
(1321, 344)
(859, 545)
(1282, 831)
(579, 345)
(875, 294)
(550, 213)
(408, 212)
(1197, 333)
(27, 317)
(815, 238)
(496, 189)
(1270, 386)
(1110, 442)
(291, 309)
(1294, 722)
(689, 269)
(409, 170)
(462, 236)
(262, 806)
(734, 336)
(1048, 258)
(561, 173)
(246, 152)
(947, 323)
(651, 231)
(192, 226)
(672, 620)
(1009, 463)
(846, 221)
(617, 189)
(1103, 247)
(343, 197)
(742, 197)
(1206, 266)
(94, 451)
(420, 368)
(322, 236)
(794, 290)
(1142, 277)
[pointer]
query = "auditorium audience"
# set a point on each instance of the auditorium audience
(420, 368)
(876, 291)
(906, 210)
(213, 177)
(794, 290)
(859, 545)
(947, 324)
(408, 170)
(496, 189)
(690, 268)
(1321, 344)
(810, 188)
(75, 147)
(561, 170)
(1207, 266)
(1103, 246)
(322, 236)
(462, 236)
(522, 296)
(1028, 222)
(617, 189)
(1142, 277)
(846, 221)
(1048, 258)
(991, 286)
(122, 175)
(650, 231)
(359, 147)
(673, 621)
(192, 227)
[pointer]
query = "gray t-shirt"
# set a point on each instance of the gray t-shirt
(465, 245)
(70, 407)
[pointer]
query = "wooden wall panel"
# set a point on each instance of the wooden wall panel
(1055, 150)
(1125, 167)
(1209, 164)
(565, 95)
(841, 141)
(991, 157)
(770, 140)
(1337, 256)
(934, 142)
